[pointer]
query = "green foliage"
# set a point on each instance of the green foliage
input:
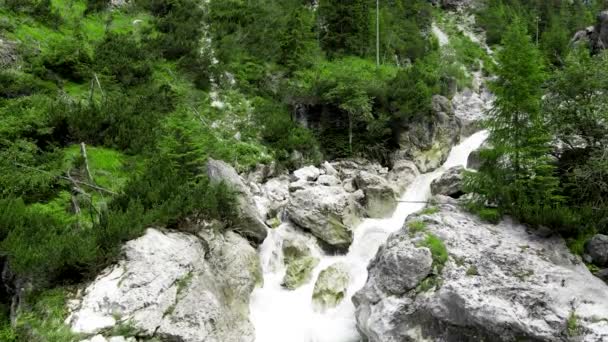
(410, 92)
(40, 9)
(40, 244)
(518, 174)
(297, 41)
(491, 215)
(572, 324)
(45, 320)
(416, 226)
(429, 211)
(282, 134)
(346, 90)
(15, 83)
(122, 57)
(344, 27)
(438, 250)
(552, 23)
(403, 27)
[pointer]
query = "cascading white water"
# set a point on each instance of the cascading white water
(281, 315)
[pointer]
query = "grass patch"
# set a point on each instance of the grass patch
(429, 211)
(110, 169)
(577, 244)
(438, 250)
(572, 324)
(429, 283)
(45, 320)
(416, 227)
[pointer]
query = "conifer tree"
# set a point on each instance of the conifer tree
(518, 174)
(345, 26)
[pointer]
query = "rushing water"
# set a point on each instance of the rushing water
(281, 315)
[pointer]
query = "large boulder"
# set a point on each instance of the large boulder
(380, 196)
(450, 183)
(597, 249)
(596, 37)
(330, 288)
(249, 222)
(299, 263)
(599, 36)
(403, 173)
(428, 141)
(500, 283)
(175, 286)
(329, 212)
(307, 173)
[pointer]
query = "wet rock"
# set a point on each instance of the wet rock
(328, 180)
(330, 288)
(403, 173)
(597, 249)
(175, 286)
(474, 161)
(299, 263)
(427, 142)
(308, 173)
(499, 284)
(450, 183)
(398, 267)
(380, 196)
(329, 169)
(329, 212)
(248, 221)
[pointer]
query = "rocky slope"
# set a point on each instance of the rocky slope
(500, 283)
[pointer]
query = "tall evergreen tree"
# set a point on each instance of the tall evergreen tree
(297, 41)
(519, 175)
(345, 26)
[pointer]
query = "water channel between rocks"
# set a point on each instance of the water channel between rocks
(281, 315)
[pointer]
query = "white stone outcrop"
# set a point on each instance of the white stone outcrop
(174, 286)
(500, 283)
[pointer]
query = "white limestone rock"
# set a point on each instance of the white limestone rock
(500, 283)
(175, 285)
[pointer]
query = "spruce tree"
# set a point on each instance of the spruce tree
(519, 175)
(344, 26)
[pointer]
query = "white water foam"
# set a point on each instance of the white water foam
(281, 315)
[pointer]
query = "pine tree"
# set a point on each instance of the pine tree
(520, 175)
(297, 41)
(345, 26)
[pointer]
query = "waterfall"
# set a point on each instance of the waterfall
(281, 315)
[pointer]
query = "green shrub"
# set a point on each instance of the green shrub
(40, 245)
(417, 226)
(429, 211)
(491, 215)
(438, 250)
(121, 56)
(44, 321)
(15, 83)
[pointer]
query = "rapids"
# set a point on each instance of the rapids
(281, 315)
